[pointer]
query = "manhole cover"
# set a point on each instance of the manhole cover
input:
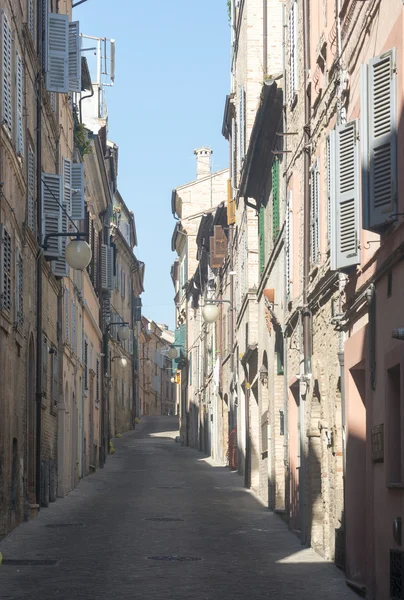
(168, 519)
(175, 558)
(20, 562)
(55, 525)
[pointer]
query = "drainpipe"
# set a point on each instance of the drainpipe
(39, 259)
(265, 37)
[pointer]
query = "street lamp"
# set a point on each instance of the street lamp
(124, 331)
(172, 353)
(78, 253)
(122, 359)
(210, 311)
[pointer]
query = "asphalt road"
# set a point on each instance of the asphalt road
(162, 522)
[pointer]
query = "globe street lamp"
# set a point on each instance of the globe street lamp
(172, 353)
(123, 361)
(78, 253)
(210, 310)
(124, 332)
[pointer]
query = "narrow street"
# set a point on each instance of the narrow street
(156, 499)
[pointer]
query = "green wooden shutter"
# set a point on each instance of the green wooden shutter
(346, 232)
(275, 200)
(261, 229)
(382, 107)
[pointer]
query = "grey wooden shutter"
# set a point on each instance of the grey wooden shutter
(19, 79)
(74, 337)
(345, 225)
(131, 342)
(31, 19)
(74, 57)
(67, 184)
(51, 212)
(57, 53)
(331, 171)
(67, 310)
(31, 189)
(233, 155)
(5, 272)
(55, 377)
(289, 246)
(19, 292)
(382, 108)
(7, 85)
(314, 214)
(60, 267)
(241, 126)
(293, 28)
(77, 213)
(107, 265)
(45, 359)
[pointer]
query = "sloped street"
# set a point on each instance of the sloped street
(160, 521)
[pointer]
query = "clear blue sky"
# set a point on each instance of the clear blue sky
(172, 77)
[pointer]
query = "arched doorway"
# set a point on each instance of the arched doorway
(31, 425)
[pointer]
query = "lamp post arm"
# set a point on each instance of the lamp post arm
(75, 234)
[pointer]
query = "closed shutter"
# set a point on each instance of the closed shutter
(7, 86)
(233, 155)
(31, 19)
(107, 260)
(331, 172)
(86, 363)
(31, 189)
(289, 247)
(67, 311)
(123, 282)
(77, 213)
(314, 215)
(74, 338)
(131, 342)
(45, 358)
(382, 109)
(45, 11)
(241, 126)
(346, 233)
(97, 381)
(261, 232)
(118, 277)
(74, 57)
(5, 274)
(243, 265)
(19, 292)
(67, 185)
(51, 212)
(57, 53)
(19, 79)
(293, 29)
(275, 200)
(55, 377)
(60, 267)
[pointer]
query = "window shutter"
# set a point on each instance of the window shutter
(57, 53)
(60, 267)
(5, 298)
(86, 364)
(314, 215)
(31, 189)
(45, 11)
(123, 283)
(74, 327)
(19, 76)
(243, 266)
(382, 107)
(261, 231)
(31, 19)
(67, 185)
(131, 342)
(275, 200)
(45, 358)
(77, 213)
(346, 232)
(7, 86)
(97, 381)
(74, 57)
(331, 174)
(241, 130)
(55, 377)
(289, 247)
(67, 309)
(118, 278)
(51, 212)
(107, 265)
(293, 28)
(19, 279)
(233, 154)
(124, 393)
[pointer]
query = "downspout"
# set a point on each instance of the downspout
(306, 315)
(265, 37)
(39, 259)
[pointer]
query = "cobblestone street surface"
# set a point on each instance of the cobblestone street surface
(161, 522)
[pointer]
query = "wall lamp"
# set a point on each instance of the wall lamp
(78, 253)
(123, 330)
(210, 311)
(123, 360)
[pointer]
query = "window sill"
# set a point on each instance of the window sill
(395, 486)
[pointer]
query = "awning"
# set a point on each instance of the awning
(259, 156)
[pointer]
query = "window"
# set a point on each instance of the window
(86, 363)
(74, 339)
(51, 213)
(67, 312)
(19, 78)
(7, 74)
(55, 377)
(45, 355)
(241, 126)
(19, 280)
(31, 19)
(190, 369)
(289, 246)
(293, 70)
(123, 283)
(5, 299)
(275, 200)
(97, 381)
(379, 141)
(233, 153)
(314, 214)
(62, 54)
(261, 232)
(31, 189)
(107, 265)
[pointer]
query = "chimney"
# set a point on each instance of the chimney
(203, 161)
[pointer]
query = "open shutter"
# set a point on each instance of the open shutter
(57, 53)
(51, 212)
(275, 200)
(289, 246)
(107, 265)
(241, 126)
(31, 19)
(67, 185)
(346, 232)
(77, 213)
(130, 346)
(19, 77)
(60, 267)
(261, 232)
(314, 215)
(74, 57)
(31, 189)
(293, 28)
(382, 107)
(67, 308)
(45, 358)
(5, 270)
(331, 173)
(55, 378)
(7, 86)
(19, 280)
(233, 154)
(74, 339)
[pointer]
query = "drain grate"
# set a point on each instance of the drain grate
(167, 519)
(55, 525)
(26, 562)
(175, 558)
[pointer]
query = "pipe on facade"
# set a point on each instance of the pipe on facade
(265, 37)
(38, 385)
